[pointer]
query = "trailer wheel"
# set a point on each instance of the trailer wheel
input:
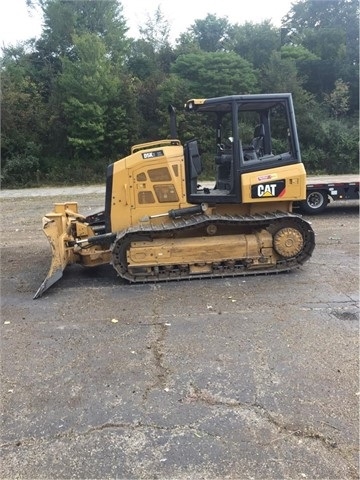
(316, 202)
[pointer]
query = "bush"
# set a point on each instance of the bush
(64, 172)
(20, 171)
(342, 143)
(314, 159)
(335, 149)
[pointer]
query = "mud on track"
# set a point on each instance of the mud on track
(234, 378)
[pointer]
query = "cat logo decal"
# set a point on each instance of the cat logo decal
(268, 189)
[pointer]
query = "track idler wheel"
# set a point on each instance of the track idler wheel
(288, 242)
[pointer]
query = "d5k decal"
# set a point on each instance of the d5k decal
(268, 189)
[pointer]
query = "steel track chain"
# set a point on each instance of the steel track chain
(273, 222)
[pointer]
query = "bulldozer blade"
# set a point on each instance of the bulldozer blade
(54, 227)
(49, 280)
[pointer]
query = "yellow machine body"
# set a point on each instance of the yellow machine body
(143, 189)
(160, 223)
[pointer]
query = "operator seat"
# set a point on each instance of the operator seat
(193, 162)
(258, 141)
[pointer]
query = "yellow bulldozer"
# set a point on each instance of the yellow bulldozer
(160, 223)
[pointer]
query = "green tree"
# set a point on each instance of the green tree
(210, 33)
(338, 99)
(310, 14)
(87, 85)
(214, 74)
(203, 75)
(64, 22)
(329, 29)
(149, 61)
(65, 18)
(22, 118)
(85, 91)
(156, 31)
(175, 90)
(254, 42)
(298, 53)
(280, 75)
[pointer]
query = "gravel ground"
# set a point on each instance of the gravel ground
(239, 378)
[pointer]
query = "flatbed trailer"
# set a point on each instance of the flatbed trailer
(320, 191)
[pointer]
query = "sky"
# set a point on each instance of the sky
(17, 24)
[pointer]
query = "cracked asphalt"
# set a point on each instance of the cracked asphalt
(239, 378)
